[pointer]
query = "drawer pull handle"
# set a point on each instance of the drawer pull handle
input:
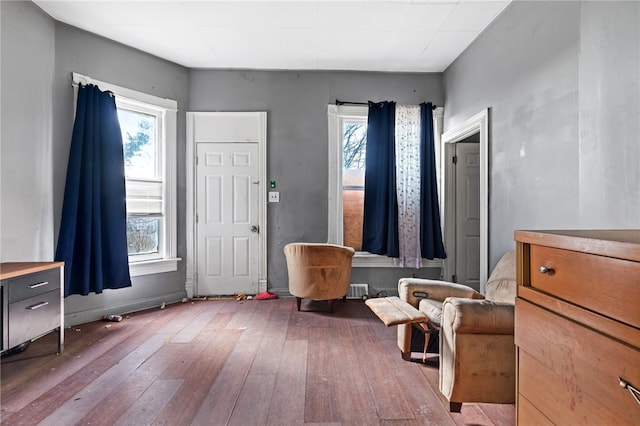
(37, 305)
(545, 270)
(39, 284)
(635, 393)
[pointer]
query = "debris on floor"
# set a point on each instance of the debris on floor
(114, 318)
(240, 296)
(265, 295)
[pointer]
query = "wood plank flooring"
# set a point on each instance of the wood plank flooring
(226, 362)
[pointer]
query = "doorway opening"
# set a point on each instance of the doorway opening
(465, 201)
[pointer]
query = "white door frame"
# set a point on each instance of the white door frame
(479, 123)
(191, 282)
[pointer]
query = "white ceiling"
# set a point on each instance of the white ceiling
(391, 35)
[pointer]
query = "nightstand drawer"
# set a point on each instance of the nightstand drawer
(601, 284)
(32, 317)
(571, 373)
(30, 285)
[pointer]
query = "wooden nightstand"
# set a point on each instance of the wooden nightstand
(577, 327)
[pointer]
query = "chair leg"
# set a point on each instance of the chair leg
(331, 305)
(298, 300)
(455, 407)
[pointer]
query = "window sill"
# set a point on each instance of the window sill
(362, 259)
(149, 267)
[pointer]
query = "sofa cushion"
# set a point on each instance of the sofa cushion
(501, 286)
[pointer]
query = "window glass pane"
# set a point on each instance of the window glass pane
(354, 138)
(143, 234)
(140, 144)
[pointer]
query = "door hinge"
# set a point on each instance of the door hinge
(455, 159)
(197, 160)
(196, 218)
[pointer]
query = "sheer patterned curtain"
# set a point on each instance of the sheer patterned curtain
(401, 214)
(407, 133)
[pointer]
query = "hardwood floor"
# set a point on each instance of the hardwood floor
(228, 362)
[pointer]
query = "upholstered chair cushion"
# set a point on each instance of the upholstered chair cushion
(501, 286)
(432, 309)
(479, 316)
(477, 352)
(318, 271)
(427, 295)
(413, 290)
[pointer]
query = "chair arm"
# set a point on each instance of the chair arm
(411, 290)
(468, 316)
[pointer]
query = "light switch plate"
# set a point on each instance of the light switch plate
(274, 197)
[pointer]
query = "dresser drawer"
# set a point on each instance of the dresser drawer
(570, 372)
(33, 284)
(32, 317)
(601, 284)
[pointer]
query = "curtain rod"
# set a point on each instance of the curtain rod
(339, 102)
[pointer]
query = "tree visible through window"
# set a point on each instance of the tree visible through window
(143, 179)
(354, 139)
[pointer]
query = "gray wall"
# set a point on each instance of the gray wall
(26, 191)
(36, 85)
(561, 80)
(105, 60)
(38, 57)
(297, 152)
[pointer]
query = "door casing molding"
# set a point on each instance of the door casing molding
(191, 281)
(479, 123)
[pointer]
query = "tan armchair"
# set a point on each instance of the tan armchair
(477, 351)
(318, 271)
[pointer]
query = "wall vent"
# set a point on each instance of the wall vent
(357, 291)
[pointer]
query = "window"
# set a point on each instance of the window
(143, 155)
(148, 126)
(354, 140)
(347, 150)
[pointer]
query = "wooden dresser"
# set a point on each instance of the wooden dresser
(32, 302)
(577, 327)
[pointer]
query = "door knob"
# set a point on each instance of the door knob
(254, 228)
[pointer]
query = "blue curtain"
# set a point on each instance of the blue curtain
(93, 231)
(431, 245)
(380, 222)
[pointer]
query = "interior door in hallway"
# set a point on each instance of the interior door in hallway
(227, 218)
(467, 214)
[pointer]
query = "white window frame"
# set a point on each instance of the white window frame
(167, 260)
(337, 115)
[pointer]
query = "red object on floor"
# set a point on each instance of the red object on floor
(266, 295)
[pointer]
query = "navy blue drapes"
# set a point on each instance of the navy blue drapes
(380, 222)
(431, 245)
(93, 231)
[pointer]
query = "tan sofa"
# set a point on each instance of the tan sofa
(318, 271)
(477, 351)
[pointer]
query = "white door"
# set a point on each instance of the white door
(467, 214)
(227, 218)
